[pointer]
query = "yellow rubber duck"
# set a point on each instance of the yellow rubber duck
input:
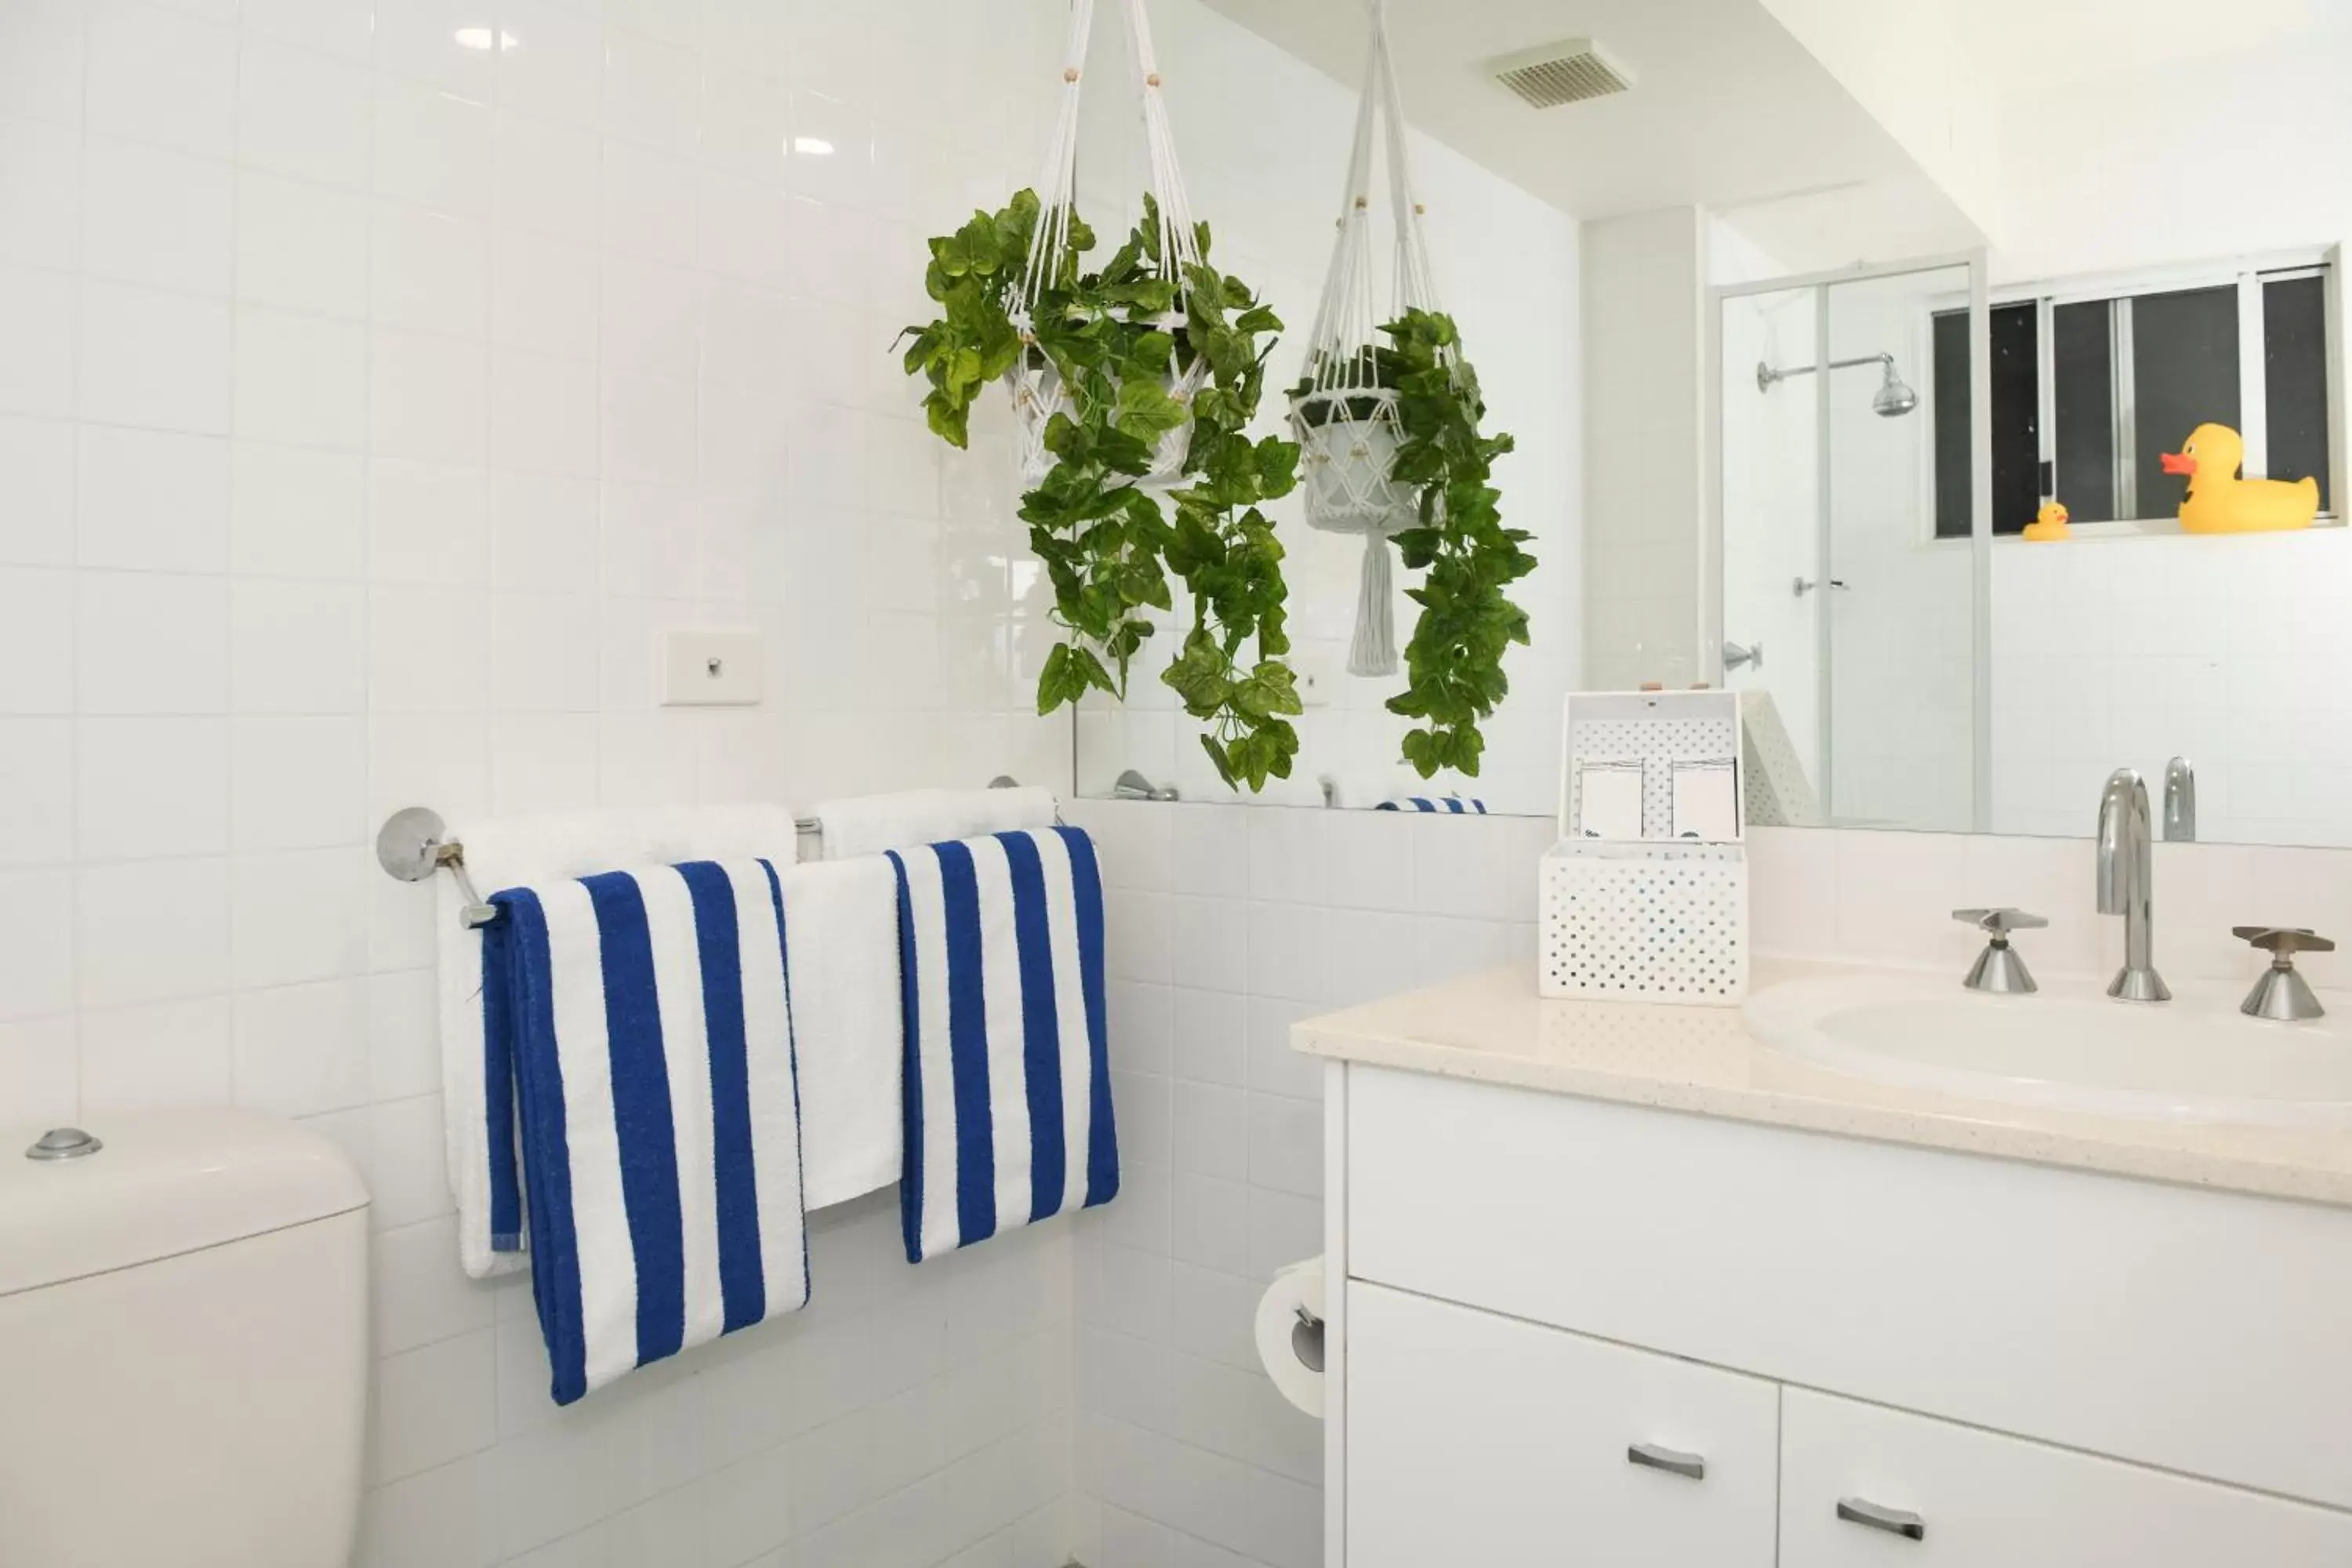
(2219, 502)
(2048, 523)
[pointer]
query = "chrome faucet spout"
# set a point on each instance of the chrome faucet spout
(2127, 878)
(2180, 801)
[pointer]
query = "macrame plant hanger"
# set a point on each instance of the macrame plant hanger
(1037, 389)
(1346, 422)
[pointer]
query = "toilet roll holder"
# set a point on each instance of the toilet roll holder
(1306, 1339)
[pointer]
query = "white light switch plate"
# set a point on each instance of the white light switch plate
(1318, 676)
(704, 669)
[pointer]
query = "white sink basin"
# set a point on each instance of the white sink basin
(2194, 1058)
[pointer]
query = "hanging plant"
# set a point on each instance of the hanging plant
(1143, 375)
(1395, 453)
(1453, 664)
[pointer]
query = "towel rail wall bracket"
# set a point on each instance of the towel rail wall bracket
(413, 844)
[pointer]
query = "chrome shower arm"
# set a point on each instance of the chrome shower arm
(1766, 375)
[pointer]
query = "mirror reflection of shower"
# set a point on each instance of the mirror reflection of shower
(1827, 484)
(1893, 399)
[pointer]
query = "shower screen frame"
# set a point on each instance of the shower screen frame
(1711, 553)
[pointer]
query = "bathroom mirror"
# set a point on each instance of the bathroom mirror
(1799, 409)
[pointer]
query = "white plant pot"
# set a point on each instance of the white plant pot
(1343, 462)
(1038, 395)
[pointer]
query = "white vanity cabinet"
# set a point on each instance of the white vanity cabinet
(1576, 1331)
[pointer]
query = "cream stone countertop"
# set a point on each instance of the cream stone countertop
(1492, 1027)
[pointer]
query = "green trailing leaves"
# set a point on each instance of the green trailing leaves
(1070, 672)
(1454, 664)
(1121, 343)
(973, 342)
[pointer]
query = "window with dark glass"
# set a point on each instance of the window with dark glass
(2184, 374)
(2016, 421)
(2129, 378)
(2294, 376)
(2083, 339)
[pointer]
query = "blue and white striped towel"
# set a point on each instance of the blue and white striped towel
(1451, 803)
(643, 1021)
(1007, 1088)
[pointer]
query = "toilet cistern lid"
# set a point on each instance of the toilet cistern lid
(170, 1182)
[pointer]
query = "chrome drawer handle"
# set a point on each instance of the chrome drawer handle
(1893, 1520)
(1649, 1456)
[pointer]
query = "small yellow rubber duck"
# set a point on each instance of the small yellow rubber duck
(2048, 523)
(2219, 502)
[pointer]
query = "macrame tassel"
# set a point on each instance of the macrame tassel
(1374, 651)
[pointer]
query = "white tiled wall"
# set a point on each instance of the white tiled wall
(368, 402)
(2227, 650)
(1228, 924)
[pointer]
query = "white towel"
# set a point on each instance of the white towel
(841, 921)
(641, 1018)
(1008, 1112)
(507, 852)
(867, 825)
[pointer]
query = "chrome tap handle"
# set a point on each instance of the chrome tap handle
(1998, 923)
(2282, 996)
(1999, 969)
(2283, 943)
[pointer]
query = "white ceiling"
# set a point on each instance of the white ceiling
(1726, 109)
(2079, 41)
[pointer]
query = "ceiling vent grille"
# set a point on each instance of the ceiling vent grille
(1567, 72)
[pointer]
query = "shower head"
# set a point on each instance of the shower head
(1895, 398)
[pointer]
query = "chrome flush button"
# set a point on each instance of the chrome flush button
(64, 1143)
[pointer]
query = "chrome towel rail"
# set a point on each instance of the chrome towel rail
(414, 843)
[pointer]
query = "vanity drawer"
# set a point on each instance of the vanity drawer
(1981, 1500)
(1477, 1438)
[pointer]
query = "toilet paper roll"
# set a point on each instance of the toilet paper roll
(1284, 1337)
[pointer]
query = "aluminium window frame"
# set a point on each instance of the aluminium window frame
(2248, 273)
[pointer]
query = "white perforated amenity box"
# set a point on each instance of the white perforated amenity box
(1657, 911)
